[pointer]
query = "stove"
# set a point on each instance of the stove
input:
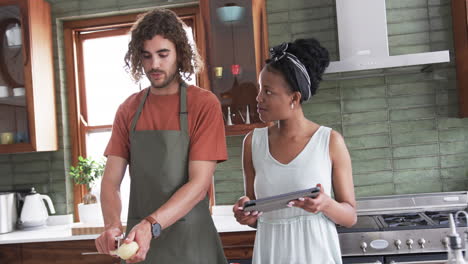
(392, 227)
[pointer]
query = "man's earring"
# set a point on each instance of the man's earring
(292, 105)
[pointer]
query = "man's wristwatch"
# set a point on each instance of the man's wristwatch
(155, 226)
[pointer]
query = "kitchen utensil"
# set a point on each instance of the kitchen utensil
(242, 116)
(34, 213)
(229, 121)
(8, 212)
(118, 240)
(247, 115)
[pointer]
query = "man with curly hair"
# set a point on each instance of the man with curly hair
(171, 135)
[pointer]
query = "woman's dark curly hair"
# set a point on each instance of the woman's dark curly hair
(313, 56)
(165, 23)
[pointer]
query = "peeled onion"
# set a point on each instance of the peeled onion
(126, 251)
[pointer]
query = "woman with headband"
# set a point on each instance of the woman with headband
(294, 154)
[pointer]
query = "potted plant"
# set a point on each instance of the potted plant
(86, 172)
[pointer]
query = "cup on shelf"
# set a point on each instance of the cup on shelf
(4, 91)
(18, 91)
(7, 138)
(21, 137)
(218, 72)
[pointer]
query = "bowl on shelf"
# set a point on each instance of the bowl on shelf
(18, 91)
(4, 91)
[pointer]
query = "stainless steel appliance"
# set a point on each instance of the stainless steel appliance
(8, 212)
(401, 229)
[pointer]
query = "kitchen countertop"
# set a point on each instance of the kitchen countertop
(222, 218)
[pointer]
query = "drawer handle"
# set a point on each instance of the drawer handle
(91, 253)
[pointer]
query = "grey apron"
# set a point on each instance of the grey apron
(158, 168)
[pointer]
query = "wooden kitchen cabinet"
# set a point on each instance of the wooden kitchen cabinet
(460, 37)
(64, 252)
(236, 50)
(27, 119)
(236, 245)
(10, 254)
(61, 252)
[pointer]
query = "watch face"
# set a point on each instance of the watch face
(156, 229)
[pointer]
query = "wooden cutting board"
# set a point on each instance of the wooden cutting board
(87, 229)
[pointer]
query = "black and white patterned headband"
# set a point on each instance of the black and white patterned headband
(303, 79)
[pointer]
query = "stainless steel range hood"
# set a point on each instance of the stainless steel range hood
(363, 39)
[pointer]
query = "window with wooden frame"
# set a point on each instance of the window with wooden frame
(98, 82)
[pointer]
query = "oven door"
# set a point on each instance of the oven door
(363, 260)
(433, 258)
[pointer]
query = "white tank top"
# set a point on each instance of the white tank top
(311, 166)
(293, 235)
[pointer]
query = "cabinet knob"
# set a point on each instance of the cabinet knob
(445, 242)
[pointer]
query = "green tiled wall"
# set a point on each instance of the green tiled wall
(400, 125)
(401, 130)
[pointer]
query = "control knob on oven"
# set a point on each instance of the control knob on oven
(398, 244)
(445, 241)
(421, 242)
(363, 246)
(410, 242)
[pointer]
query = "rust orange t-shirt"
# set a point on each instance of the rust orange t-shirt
(161, 112)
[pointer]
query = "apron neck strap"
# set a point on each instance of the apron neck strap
(183, 108)
(139, 109)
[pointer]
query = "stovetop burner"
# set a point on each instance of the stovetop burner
(402, 221)
(364, 223)
(442, 218)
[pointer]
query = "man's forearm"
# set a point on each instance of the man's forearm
(180, 203)
(111, 206)
(187, 196)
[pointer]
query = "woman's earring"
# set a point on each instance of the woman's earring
(292, 105)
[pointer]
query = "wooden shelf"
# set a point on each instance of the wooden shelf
(243, 129)
(17, 147)
(13, 100)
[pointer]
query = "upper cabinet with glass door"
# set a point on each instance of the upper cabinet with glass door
(236, 51)
(27, 98)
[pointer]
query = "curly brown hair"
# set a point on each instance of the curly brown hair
(165, 23)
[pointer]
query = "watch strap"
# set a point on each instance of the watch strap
(151, 219)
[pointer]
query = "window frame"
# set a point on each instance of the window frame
(107, 26)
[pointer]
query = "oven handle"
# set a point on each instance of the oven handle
(420, 262)
(375, 262)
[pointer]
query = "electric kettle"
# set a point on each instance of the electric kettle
(34, 213)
